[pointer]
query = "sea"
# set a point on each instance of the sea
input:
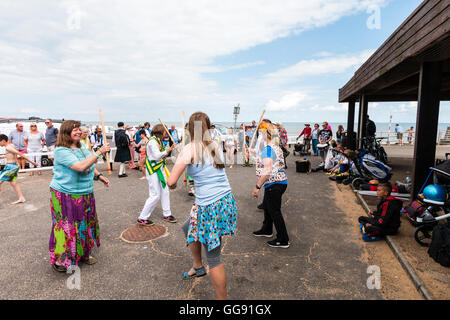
(295, 128)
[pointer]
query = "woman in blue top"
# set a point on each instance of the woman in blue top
(271, 174)
(214, 213)
(75, 228)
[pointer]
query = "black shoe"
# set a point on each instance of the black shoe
(261, 206)
(259, 233)
(277, 244)
(123, 175)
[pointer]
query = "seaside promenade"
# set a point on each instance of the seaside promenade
(326, 260)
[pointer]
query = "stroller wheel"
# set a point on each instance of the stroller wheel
(356, 183)
(423, 235)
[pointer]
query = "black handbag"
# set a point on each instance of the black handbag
(286, 152)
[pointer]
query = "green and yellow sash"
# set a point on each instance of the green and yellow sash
(156, 167)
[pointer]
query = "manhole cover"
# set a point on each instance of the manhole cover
(137, 233)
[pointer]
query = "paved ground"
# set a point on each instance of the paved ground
(323, 262)
(407, 151)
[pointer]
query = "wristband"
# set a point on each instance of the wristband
(97, 155)
(258, 187)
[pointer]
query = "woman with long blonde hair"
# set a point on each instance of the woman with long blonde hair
(214, 213)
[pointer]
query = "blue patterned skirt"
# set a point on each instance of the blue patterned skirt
(209, 223)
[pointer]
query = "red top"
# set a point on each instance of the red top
(307, 132)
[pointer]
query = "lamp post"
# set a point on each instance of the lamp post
(236, 111)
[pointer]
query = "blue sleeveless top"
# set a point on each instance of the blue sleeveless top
(211, 184)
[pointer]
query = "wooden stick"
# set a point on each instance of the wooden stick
(183, 143)
(256, 130)
(167, 130)
(105, 141)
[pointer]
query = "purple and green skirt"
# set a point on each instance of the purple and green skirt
(75, 229)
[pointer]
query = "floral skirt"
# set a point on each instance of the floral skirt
(75, 229)
(209, 223)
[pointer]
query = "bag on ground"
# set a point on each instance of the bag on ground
(439, 248)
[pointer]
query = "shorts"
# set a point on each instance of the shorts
(24, 151)
(51, 148)
(9, 172)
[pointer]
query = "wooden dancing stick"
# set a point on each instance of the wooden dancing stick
(167, 130)
(183, 142)
(256, 130)
(105, 140)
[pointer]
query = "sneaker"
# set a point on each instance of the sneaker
(123, 175)
(170, 219)
(145, 222)
(259, 233)
(368, 238)
(278, 244)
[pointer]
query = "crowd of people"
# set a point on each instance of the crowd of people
(76, 150)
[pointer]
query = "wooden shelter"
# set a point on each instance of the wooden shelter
(413, 64)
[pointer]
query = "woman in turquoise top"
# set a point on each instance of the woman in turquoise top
(214, 213)
(75, 228)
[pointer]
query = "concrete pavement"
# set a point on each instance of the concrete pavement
(322, 262)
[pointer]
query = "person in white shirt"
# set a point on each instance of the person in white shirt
(230, 147)
(399, 131)
(157, 174)
(35, 141)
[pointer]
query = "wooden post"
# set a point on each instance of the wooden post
(426, 123)
(183, 143)
(363, 106)
(168, 133)
(256, 130)
(105, 140)
(351, 124)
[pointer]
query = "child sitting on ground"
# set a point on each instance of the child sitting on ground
(341, 170)
(386, 219)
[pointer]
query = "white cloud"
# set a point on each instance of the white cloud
(339, 108)
(152, 52)
(328, 65)
(288, 101)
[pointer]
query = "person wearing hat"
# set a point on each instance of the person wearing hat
(307, 138)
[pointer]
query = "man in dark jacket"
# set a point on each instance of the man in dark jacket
(386, 220)
(371, 128)
(122, 142)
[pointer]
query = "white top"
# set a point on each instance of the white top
(35, 140)
(153, 151)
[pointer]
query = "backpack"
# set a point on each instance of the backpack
(122, 140)
(303, 166)
(439, 248)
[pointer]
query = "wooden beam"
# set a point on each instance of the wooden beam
(363, 106)
(426, 123)
(351, 124)
(422, 31)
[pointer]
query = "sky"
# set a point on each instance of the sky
(144, 60)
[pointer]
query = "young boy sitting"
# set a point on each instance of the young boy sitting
(384, 221)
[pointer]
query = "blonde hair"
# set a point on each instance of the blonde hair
(204, 141)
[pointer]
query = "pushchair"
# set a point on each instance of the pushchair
(365, 168)
(433, 199)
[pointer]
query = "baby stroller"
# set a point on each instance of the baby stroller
(366, 167)
(433, 199)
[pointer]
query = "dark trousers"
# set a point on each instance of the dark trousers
(272, 212)
(373, 230)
